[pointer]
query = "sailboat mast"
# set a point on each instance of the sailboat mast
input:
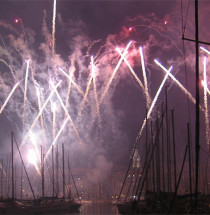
(21, 183)
(63, 171)
(53, 174)
(42, 172)
(197, 120)
(2, 175)
(189, 156)
(13, 191)
(57, 183)
(174, 147)
(163, 160)
(168, 143)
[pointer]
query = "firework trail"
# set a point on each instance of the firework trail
(57, 136)
(181, 87)
(85, 96)
(93, 74)
(69, 88)
(72, 81)
(205, 84)
(2, 169)
(206, 103)
(205, 50)
(6, 52)
(40, 112)
(155, 98)
(33, 140)
(114, 72)
(3, 42)
(53, 28)
(155, 28)
(11, 70)
(25, 91)
(32, 158)
(19, 21)
(65, 110)
(9, 96)
(148, 98)
(41, 116)
(53, 107)
(129, 66)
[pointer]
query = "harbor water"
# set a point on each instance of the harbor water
(95, 209)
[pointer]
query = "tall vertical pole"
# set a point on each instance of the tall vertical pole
(15, 181)
(7, 187)
(174, 147)
(2, 176)
(13, 191)
(189, 156)
(21, 182)
(168, 143)
(197, 121)
(146, 155)
(57, 183)
(163, 160)
(24, 168)
(53, 175)
(157, 156)
(42, 167)
(153, 160)
(63, 172)
(69, 173)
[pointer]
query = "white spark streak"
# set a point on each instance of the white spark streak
(205, 50)
(40, 112)
(156, 97)
(93, 73)
(53, 27)
(132, 71)
(206, 103)
(57, 136)
(65, 110)
(114, 72)
(9, 96)
(180, 85)
(72, 81)
(148, 99)
(25, 91)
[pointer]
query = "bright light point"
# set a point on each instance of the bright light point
(32, 157)
(17, 21)
(130, 29)
(166, 22)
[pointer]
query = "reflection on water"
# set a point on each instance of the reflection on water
(96, 209)
(99, 209)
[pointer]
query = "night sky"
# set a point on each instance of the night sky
(95, 28)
